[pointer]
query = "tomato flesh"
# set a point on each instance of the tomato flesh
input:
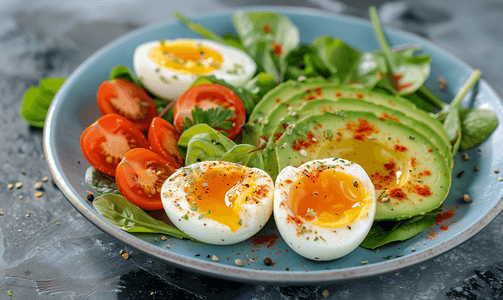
(122, 97)
(105, 142)
(163, 138)
(140, 176)
(206, 96)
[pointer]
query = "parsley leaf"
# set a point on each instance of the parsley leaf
(213, 117)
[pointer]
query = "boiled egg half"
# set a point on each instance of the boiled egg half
(218, 202)
(168, 67)
(324, 208)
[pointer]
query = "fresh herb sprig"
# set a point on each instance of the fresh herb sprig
(214, 117)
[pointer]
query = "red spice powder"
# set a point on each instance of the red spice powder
(338, 94)
(397, 193)
(426, 172)
(266, 28)
(264, 240)
(278, 136)
(423, 190)
(317, 90)
(310, 97)
(304, 143)
(386, 116)
(362, 129)
(278, 100)
(359, 96)
(429, 150)
(445, 216)
(390, 166)
(400, 148)
(413, 162)
(277, 48)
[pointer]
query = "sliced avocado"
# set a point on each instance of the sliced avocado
(269, 111)
(410, 175)
(270, 100)
(319, 106)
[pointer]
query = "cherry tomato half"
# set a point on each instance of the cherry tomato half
(122, 97)
(140, 176)
(206, 96)
(105, 142)
(163, 138)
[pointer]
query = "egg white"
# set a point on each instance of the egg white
(316, 242)
(170, 84)
(255, 212)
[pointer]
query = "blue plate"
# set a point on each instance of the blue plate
(75, 107)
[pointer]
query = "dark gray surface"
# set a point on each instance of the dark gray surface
(60, 255)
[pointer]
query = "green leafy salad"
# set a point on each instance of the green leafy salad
(279, 104)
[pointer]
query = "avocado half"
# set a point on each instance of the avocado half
(407, 155)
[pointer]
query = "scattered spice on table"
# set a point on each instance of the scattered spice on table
(38, 194)
(38, 186)
(45, 178)
(10, 186)
(214, 258)
(466, 198)
(465, 157)
(125, 255)
(496, 171)
(19, 185)
(267, 261)
(239, 262)
(325, 293)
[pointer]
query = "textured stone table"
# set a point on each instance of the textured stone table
(52, 252)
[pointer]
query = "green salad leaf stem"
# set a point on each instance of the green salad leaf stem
(206, 33)
(406, 72)
(119, 211)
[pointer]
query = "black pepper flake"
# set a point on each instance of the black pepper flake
(267, 261)
(90, 197)
(355, 183)
(197, 255)
(412, 137)
(208, 256)
(460, 174)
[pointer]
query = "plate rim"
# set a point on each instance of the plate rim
(234, 273)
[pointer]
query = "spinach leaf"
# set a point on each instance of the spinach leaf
(367, 71)
(304, 61)
(243, 94)
(451, 113)
(101, 183)
(241, 154)
(452, 125)
(120, 212)
(124, 72)
(476, 126)
(406, 72)
(259, 85)
(339, 57)
(36, 100)
(201, 143)
(385, 232)
(268, 37)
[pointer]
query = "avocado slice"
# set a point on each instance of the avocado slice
(410, 175)
(320, 106)
(280, 93)
(292, 96)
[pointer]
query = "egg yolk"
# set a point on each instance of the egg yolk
(386, 167)
(186, 56)
(329, 198)
(218, 193)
